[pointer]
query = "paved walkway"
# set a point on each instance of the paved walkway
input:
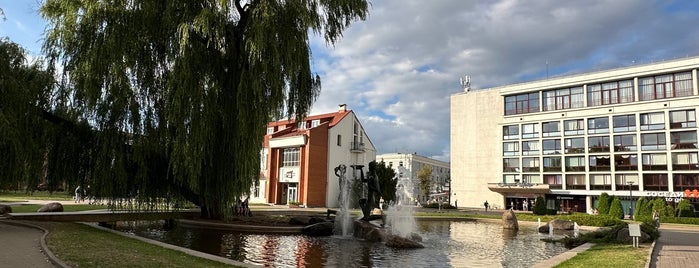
(21, 246)
(678, 246)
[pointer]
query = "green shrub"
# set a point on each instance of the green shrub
(551, 212)
(682, 220)
(592, 220)
(603, 204)
(640, 208)
(684, 209)
(616, 210)
(539, 206)
(436, 205)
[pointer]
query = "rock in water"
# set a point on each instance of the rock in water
(509, 220)
(562, 224)
(51, 207)
(319, 229)
(395, 241)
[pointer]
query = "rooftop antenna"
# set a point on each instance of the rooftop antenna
(465, 82)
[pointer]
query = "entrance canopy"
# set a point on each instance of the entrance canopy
(505, 188)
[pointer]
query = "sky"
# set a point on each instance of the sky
(398, 68)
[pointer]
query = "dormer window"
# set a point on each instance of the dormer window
(270, 130)
(315, 123)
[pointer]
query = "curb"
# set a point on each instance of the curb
(44, 247)
(558, 259)
(650, 255)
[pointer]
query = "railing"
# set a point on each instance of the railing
(357, 147)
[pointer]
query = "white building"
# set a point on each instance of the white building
(408, 165)
(629, 132)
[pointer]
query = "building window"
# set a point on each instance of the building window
(510, 132)
(510, 148)
(510, 165)
(600, 163)
(554, 181)
(610, 93)
(263, 158)
(575, 145)
(291, 157)
(654, 161)
(574, 127)
(665, 86)
(575, 163)
(551, 129)
(623, 180)
(552, 164)
(530, 148)
(532, 179)
(686, 182)
(575, 182)
(653, 141)
(530, 131)
(683, 140)
(653, 121)
(683, 119)
(315, 123)
(552, 146)
(530, 164)
(598, 144)
(600, 182)
(624, 123)
(625, 162)
(598, 125)
(339, 140)
(625, 143)
(655, 182)
(522, 103)
(566, 98)
(302, 125)
(270, 130)
(685, 161)
(511, 178)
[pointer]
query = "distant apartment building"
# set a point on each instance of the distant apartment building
(629, 132)
(408, 165)
(299, 158)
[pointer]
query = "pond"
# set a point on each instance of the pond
(447, 244)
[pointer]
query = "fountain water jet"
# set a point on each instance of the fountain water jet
(344, 216)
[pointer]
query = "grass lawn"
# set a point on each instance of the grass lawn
(12, 196)
(79, 245)
(66, 208)
(609, 255)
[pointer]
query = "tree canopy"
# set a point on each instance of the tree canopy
(424, 177)
(168, 100)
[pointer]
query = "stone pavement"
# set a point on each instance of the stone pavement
(21, 246)
(678, 246)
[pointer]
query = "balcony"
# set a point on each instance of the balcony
(357, 147)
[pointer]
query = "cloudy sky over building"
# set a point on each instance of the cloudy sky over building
(398, 68)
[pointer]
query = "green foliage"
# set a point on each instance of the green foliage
(424, 177)
(603, 204)
(539, 206)
(436, 205)
(616, 210)
(167, 99)
(661, 206)
(641, 208)
(592, 220)
(387, 181)
(685, 209)
(681, 220)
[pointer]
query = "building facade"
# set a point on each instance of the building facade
(408, 165)
(629, 132)
(298, 159)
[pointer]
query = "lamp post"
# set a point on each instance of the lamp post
(630, 183)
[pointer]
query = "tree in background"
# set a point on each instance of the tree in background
(685, 209)
(170, 99)
(642, 212)
(539, 206)
(603, 204)
(387, 181)
(424, 177)
(616, 210)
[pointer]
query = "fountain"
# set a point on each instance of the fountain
(344, 216)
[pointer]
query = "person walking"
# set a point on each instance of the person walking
(78, 194)
(486, 205)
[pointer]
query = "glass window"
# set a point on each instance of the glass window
(530, 164)
(554, 181)
(598, 125)
(683, 119)
(625, 143)
(625, 180)
(566, 98)
(574, 127)
(600, 182)
(625, 162)
(687, 182)
(511, 178)
(653, 141)
(665, 86)
(522, 103)
(575, 163)
(684, 140)
(552, 164)
(270, 130)
(530, 148)
(510, 165)
(685, 161)
(530, 131)
(510, 148)
(624, 123)
(655, 182)
(551, 129)
(653, 121)
(610, 93)
(552, 146)
(575, 182)
(510, 132)
(575, 145)
(654, 161)
(598, 144)
(291, 157)
(532, 179)
(600, 163)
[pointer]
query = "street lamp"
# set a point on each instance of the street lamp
(630, 183)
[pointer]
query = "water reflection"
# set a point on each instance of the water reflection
(447, 244)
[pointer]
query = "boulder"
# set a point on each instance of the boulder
(319, 229)
(562, 224)
(622, 236)
(51, 207)
(300, 220)
(395, 241)
(509, 220)
(544, 228)
(4, 209)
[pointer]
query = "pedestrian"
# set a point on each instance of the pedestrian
(656, 218)
(525, 205)
(486, 205)
(456, 203)
(78, 194)
(381, 201)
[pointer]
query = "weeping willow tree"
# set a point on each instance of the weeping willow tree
(160, 101)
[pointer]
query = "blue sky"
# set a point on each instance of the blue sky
(398, 69)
